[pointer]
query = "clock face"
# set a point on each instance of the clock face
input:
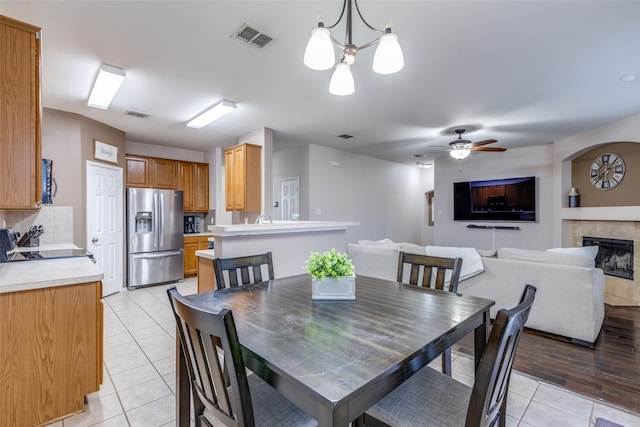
(607, 170)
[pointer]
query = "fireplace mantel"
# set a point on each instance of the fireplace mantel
(612, 213)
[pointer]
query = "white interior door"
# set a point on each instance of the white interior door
(289, 198)
(104, 222)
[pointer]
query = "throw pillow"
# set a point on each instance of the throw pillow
(471, 260)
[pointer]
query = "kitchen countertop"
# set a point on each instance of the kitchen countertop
(277, 227)
(198, 235)
(45, 273)
(206, 253)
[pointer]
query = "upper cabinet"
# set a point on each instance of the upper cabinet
(190, 177)
(20, 115)
(194, 182)
(243, 178)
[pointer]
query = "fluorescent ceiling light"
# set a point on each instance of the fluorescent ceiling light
(219, 110)
(106, 86)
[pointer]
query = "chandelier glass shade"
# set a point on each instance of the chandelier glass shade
(320, 55)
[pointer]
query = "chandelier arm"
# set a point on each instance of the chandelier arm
(333, 39)
(365, 21)
(344, 7)
(371, 43)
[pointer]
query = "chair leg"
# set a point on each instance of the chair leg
(358, 422)
(446, 362)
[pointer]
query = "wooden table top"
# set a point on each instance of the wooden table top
(335, 358)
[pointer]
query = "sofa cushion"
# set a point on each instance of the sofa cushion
(377, 242)
(548, 257)
(412, 248)
(471, 260)
(588, 251)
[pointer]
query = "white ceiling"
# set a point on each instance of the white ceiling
(522, 72)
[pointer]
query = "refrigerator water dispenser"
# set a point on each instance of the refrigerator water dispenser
(144, 222)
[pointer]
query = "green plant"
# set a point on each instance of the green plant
(329, 264)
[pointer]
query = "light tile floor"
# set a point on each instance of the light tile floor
(139, 374)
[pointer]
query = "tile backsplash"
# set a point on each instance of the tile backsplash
(56, 220)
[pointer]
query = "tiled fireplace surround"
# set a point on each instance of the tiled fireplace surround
(617, 291)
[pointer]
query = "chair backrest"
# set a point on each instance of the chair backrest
(488, 398)
(249, 268)
(213, 390)
(431, 266)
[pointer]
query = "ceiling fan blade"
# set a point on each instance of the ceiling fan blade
(485, 142)
(488, 149)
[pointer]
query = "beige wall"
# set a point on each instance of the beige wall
(624, 194)
(68, 140)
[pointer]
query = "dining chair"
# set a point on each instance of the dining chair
(248, 267)
(239, 399)
(429, 398)
(433, 271)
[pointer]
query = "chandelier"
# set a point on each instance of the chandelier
(319, 54)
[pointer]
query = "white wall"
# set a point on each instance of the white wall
(290, 163)
(142, 149)
(531, 161)
(388, 199)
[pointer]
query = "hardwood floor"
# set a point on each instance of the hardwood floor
(609, 372)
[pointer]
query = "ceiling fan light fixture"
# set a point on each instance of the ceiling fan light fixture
(460, 153)
(342, 80)
(319, 53)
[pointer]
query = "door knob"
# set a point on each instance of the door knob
(94, 240)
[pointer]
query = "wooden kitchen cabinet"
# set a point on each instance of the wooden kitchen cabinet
(20, 115)
(191, 245)
(194, 183)
(51, 351)
(163, 173)
(137, 172)
(243, 178)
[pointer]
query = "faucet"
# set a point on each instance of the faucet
(263, 216)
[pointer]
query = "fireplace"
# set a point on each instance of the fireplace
(615, 256)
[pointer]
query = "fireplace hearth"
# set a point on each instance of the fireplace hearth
(615, 256)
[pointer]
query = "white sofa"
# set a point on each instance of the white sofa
(570, 297)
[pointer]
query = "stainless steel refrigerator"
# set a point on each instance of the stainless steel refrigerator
(155, 243)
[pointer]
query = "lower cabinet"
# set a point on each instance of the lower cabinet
(50, 351)
(191, 245)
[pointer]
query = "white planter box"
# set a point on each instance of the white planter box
(334, 289)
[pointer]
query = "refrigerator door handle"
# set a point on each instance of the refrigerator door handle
(161, 209)
(158, 254)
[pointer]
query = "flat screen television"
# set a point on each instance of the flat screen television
(511, 199)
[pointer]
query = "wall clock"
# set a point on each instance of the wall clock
(607, 170)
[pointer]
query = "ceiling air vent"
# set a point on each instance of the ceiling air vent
(252, 36)
(138, 114)
(345, 136)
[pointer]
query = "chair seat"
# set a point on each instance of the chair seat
(270, 408)
(427, 398)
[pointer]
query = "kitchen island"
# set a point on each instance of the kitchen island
(51, 323)
(290, 243)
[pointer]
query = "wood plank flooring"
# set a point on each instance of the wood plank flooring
(609, 372)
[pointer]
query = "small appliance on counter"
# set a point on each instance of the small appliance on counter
(191, 224)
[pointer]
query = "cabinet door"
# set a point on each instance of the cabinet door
(190, 259)
(239, 178)
(164, 173)
(201, 187)
(186, 185)
(229, 193)
(137, 172)
(20, 115)
(253, 178)
(203, 243)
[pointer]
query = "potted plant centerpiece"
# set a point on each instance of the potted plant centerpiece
(333, 276)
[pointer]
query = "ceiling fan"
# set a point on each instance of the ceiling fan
(461, 148)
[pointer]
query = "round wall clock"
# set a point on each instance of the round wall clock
(607, 170)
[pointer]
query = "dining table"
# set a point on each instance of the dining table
(335, 359)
